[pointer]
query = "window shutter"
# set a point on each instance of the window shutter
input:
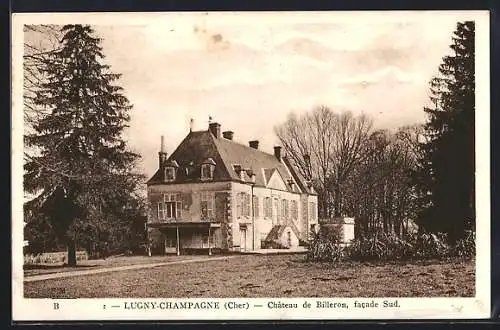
(247, 204)
(178, 210)
(160, 211)
(238, 205)
(220, 206)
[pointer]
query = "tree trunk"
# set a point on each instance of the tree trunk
(338, 201)
(71, 253)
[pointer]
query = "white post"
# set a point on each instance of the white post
(178, 245)
(209, 246)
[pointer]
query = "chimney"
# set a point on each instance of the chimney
(254, 144)
(277, 152)
(162, 155)
(215, 129)
(228, 135)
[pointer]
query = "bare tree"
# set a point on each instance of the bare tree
(357, 171)
(385, 196)
(325, 146)
(40, 41)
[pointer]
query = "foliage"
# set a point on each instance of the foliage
(52, 257)
(325, 247)
(432, 246)
(390, 247)
(447, 173)
(380, 246)
(465, 248)
(79, 168)
(41, 236)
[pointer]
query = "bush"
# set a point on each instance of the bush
(465, 248)
(324, 247)
(380, 246)
(52, 257)
(432, 246)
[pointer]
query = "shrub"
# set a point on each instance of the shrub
(431, 246)
(382, 246)
(52, 257)
(369, 248)
(465, 248)
(324, 247)
(387, 247)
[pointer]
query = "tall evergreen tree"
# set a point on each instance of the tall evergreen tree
(448, 167)
(80, 168)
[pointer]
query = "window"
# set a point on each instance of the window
(205, 240)
(247, 206)
(207, 171)
(243, 205)
(312, 211)
(304, 210)
(255, 206)
(170, 208)
(169, 173)
(284, 208)
(268, 207)
(207, 205)
(295, 211)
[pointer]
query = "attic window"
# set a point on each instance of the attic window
(207, 169)
(169, 173)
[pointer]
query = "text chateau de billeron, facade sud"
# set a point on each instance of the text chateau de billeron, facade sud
(215, 194)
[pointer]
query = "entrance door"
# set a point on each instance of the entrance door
(243, 239)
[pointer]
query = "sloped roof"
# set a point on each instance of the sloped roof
(299, 178)
(198, 146)
(277, 231)
(195, 149)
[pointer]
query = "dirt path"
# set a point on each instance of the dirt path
(51, 276)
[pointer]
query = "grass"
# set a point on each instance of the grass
(269, 276)
(114, 261)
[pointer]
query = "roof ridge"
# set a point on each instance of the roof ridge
(244, 145)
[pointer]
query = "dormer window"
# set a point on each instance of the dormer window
(207, 169)
(170, 171)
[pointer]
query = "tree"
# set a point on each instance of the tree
(382, 191)
(40, 41)
(80, 169)
(447, 176)
(326, 147)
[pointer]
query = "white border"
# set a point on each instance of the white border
(91, 309)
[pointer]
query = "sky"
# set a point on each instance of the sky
(249, 71)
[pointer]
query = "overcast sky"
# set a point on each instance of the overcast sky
(250, 71)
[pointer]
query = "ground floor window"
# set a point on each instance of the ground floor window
(170, 208)
(207, 202)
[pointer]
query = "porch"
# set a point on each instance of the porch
(188, 237)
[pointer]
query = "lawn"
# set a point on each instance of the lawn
(269, 276)
(113, 261)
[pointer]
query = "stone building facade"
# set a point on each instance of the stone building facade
(215, 194)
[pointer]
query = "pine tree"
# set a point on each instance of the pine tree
(448, 171)
(80, 168)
